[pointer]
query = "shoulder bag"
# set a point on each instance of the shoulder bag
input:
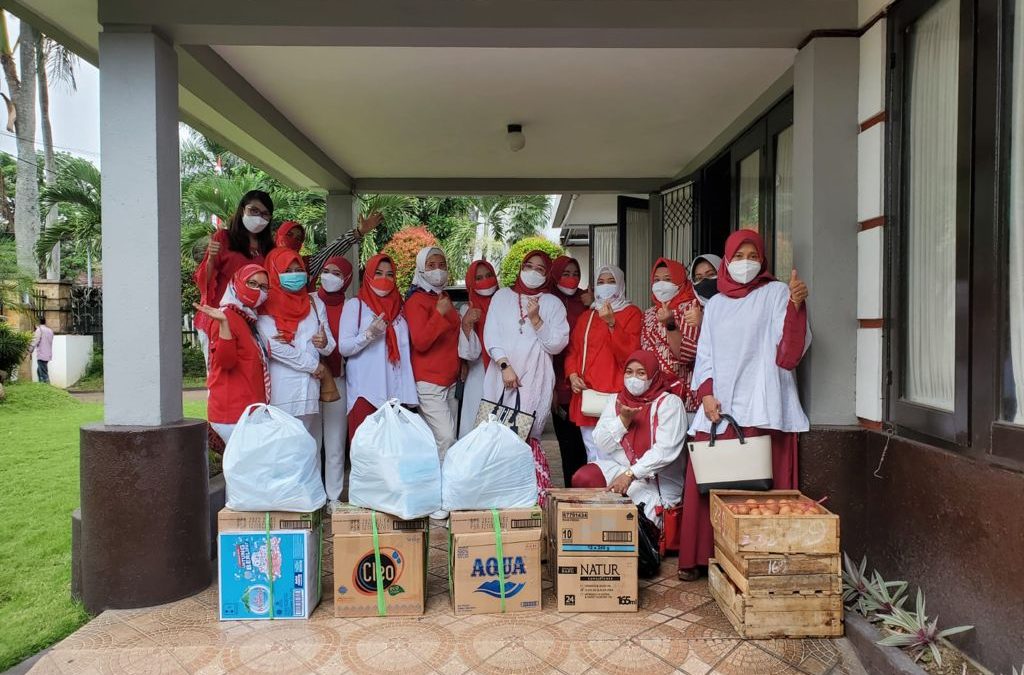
(734, 464)
(594, 401)
(512, 417)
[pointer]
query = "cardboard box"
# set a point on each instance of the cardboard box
(464, 522)
(403, 559)
(286, 588)
(475, 585)
(602, 529)
(596, 584)
(350, 519)
(256, 521)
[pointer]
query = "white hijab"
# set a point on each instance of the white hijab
(421, 267)
(618, 301)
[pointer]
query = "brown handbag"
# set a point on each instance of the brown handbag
(329, 389)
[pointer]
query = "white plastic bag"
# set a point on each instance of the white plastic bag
(271, 463)
(490, 468)
(395, 468)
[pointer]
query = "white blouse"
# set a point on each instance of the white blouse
(370, 374)
(292, 385)
(668, 434)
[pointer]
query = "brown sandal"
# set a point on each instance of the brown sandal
(690, 574)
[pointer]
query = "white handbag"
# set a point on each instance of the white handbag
(739, 463)
(594, 402)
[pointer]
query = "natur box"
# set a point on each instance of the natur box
(596, 584)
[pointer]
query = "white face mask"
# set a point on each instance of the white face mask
(664, 290)
(636, 385)
(744, 271)
(255, 224)
(263, 298)
(605, 292)
(332, 283)
(567, 291)
(532, 278)
(487, 292)
(379, 292)
(436, 278)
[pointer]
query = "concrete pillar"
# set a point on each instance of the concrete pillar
(145, 514)
(825, 221)
(342, 216)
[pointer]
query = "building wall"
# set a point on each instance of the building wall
(582, 254)
(71, 354)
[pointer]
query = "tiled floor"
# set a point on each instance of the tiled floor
(679, 629)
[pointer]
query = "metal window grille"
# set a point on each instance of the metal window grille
(678, 216)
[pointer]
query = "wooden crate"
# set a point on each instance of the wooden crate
(772, 534)
(794, 616)
(777, 564)
(779, 584)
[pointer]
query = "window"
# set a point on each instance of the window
(1013, 397)
(749, 192)
(784, 203)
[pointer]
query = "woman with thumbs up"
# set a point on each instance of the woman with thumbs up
(603, 337)
(754, 334)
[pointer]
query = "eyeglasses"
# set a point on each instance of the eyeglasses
(257, 285)
(256, 211)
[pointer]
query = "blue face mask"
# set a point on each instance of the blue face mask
(293, 281)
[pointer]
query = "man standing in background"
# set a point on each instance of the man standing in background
(42, 346)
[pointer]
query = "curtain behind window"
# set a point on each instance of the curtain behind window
(1016, 215)
(784, 204)
(606, 248)
(930, 152)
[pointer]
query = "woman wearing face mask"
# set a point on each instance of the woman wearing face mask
(374, 338)
(329, 300)
(565, 285)
(704, 275)
(672, 325)
(525, 328)
(754, 334)
(434, 325)
(292, 235)
(481, 283)
(238, 354)
(298, 337)
(639, 438)
(602, 339)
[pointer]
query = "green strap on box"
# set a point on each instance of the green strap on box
(499, 548)
(378, 569)
(270, 565)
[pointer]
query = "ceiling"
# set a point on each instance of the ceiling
(430, 112)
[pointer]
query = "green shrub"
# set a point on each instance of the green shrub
(95, 366)
(514, 260)
(403, 248)
(13, 347)
(192, 362)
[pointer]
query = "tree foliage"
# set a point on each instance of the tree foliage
(514, 259)
(403, 248)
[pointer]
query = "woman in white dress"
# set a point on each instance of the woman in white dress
(639, 437)
(297, 336)
(481, 284)
(374, 338)
(525, 327)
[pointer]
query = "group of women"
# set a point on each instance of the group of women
(624, 386)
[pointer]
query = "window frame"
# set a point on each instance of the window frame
(953, 426)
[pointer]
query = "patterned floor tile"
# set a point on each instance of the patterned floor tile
(107, 632)
(814, 656)
(747, 659)
(621, 657)
(128, 661)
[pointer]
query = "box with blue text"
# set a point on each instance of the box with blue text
(478, 570)
(268, 575)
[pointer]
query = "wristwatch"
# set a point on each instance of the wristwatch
(671, 327)
(503, 365)
(629, 474)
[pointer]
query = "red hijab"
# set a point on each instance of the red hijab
(247, 297)
(523, 289)
(640, 435)
(282, 239)
(481, 302)
(333, 302)
(389, 307)
(679, 277)
(287, 308)
(574, 306)
(726, 284)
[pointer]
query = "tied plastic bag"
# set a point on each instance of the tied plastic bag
(490, 468)
(271, 463)
(395, 468)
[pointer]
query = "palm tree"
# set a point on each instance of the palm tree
(76, 192)
(509, 218)
(398, 212)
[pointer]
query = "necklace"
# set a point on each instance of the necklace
(522, 314)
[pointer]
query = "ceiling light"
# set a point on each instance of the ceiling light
(516, 139)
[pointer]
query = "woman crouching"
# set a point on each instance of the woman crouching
(639, 437)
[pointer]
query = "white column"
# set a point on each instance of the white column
(825, 128)
(141, 228)
(342, 210)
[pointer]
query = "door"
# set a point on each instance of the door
(636, 248)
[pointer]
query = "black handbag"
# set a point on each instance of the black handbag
(648, 542)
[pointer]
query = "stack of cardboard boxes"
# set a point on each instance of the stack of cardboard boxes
(478, 563)
(592, 550)
(402, 546)
(268, 564)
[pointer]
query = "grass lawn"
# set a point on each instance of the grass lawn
(39, 479)
(96, 383)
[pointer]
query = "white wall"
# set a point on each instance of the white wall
(582, 254)
(71, 354)
(594, 210)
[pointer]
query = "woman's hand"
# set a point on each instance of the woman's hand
(607, 314)
(509, 377)
(212, 252)
(665, 315)
(797, 289)
(470, 319)
(577, 383)
(444, 304)
(712, 408)
(694, 315)
(621, 483)
(626, 415)
(319, 339)
(322, 372)
(366, 225)
(377, 328)
(214, 313)
(463, 371)
(587, 297)
(533, 309)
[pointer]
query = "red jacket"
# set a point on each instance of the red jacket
(236, 377)
(435, 339)
(228, 262)
(607, 351)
